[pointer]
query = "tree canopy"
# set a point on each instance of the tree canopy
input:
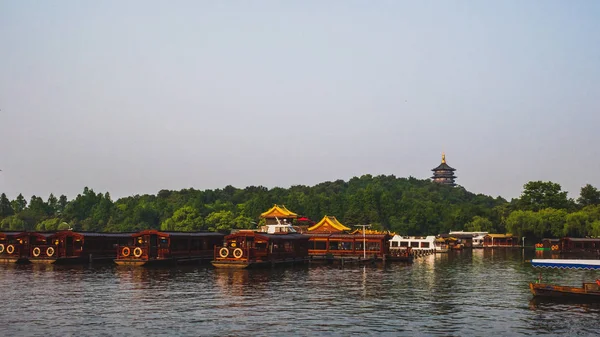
(407, 206)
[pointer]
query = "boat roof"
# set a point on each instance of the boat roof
(348, 236)
(584, 239)
(267, 236)
(176, 234)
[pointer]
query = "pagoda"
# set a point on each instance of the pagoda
(444, 174)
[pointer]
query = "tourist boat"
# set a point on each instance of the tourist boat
(441, 246)
(273, 244)
(16, 247)
(548, 245)
(588, 291)
(77, 247)
(469, 239)
(153, 247)
(357, 245)
(566, 264)
(414, 243)
(581, 247)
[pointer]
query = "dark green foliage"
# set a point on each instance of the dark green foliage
(407, 206)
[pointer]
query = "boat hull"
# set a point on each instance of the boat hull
(14, 259)
(590, 291)
(242, 264)
(161, 262)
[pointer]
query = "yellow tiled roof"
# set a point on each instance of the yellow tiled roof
(278, 211)
(331, 221)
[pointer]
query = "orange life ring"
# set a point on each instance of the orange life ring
(37, 251)
(10, 249)
(125, 251)
(50, 251)
(238, 252)
(223, 252)
(137, 252)
(1, 248)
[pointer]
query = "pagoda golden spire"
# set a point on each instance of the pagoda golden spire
(443, 158)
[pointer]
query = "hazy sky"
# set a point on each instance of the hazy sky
(131, 97)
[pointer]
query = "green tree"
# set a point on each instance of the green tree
(63, 226)
(479, 224)
(539, 195)
(589, 195)
(19, 203)
(576, 224)
(52, 204)
(5, 207)
(13, 223)
(221, 220)
(50, 224)
(186, 219)
(62, 204)
(524, 223)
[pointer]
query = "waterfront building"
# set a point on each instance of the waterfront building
(443, 173)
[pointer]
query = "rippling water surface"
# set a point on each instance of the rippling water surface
(470, 293)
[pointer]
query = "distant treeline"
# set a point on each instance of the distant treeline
(406, 206)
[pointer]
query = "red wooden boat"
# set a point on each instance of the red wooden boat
(78, 247)
(16, 247)
(588, 291)
(276, 244)
(152, 247)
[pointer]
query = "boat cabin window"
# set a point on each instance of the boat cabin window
(403, 243)
(318, 245)
(373, 246)
(424, 244)
(414, 244)
(334, 245)
(260, 245)
(394, 243)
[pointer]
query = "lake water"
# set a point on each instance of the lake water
(469, 293)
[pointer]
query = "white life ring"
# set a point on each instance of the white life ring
(1, 248)
(10, 249)
(137, 252)
(50, 251)
(223, 252)
(37, 251)
(238, 252)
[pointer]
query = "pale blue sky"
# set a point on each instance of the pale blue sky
(132, 97)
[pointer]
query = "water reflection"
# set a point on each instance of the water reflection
(441, 294)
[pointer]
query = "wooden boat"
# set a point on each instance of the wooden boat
(548, 245)
(152, 247)
(588, 291)
(78, 247)
(16, 247)
(274, 244)
(348, 245)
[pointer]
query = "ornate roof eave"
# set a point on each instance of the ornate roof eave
(443, 167)
(279, 210)
(332, 221)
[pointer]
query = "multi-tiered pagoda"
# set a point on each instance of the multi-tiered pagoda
(444, 174)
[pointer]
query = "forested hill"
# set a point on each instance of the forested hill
(404, 205)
